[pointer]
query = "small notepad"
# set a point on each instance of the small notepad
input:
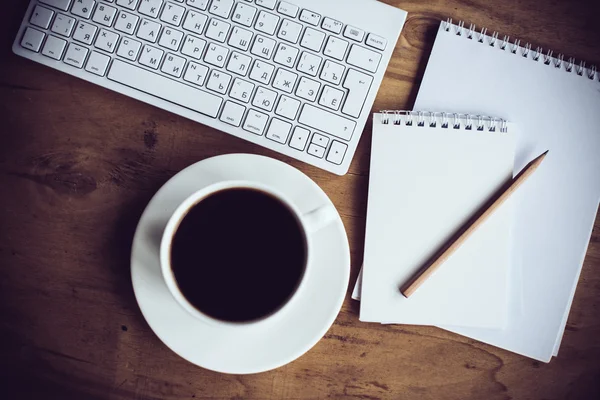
(429, 174)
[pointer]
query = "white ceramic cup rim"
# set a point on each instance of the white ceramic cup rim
(181, 212)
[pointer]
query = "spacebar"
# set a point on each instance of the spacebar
(165, 88)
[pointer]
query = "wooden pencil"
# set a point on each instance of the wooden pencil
(472, 225)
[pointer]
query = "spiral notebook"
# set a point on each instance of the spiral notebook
(429, 174)
(555, 104)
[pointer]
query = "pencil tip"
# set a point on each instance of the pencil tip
(541, 156)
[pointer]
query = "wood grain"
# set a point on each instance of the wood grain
(78, 164)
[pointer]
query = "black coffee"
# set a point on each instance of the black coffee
(238, 255)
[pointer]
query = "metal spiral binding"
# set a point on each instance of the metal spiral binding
(526, 51)
(443, 120)
(493, 39)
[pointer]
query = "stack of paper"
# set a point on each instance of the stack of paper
(555, 105)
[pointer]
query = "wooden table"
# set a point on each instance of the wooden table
(78, 164)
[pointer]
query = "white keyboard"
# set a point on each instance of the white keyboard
(297, 78)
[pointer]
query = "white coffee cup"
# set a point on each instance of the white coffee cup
(310, 222)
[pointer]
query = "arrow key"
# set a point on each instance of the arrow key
(336, 152)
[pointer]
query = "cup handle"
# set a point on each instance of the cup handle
(319, 218)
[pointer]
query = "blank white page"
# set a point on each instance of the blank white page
(424, 184)
(555, 110)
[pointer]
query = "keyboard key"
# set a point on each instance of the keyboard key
(288, 9)
(173, 65)
(358, 85)
(376, 41)
(308, 89)
(363, 58)
(337, 152)
(331, 98)
(106, 40)
(289, 31)
(97, 63)
(216, 55)
(199, 4)
(32, 39)
(130, 4)
(332, 25)
(171, 38)
(193, 47)
(148, 30)
(54, 47)
(299, 138)
(195, 22)
(315, 150)
(287, 107)
(320, 140)
(221, 8)
(256, 122)
(284, 80)
(266, 22)
(310, 17)
(104, 15)
(165, 88)
(126, 22)
(327, 122)
(262, 72)
(332, 72)
(217, 30)
(83, 8)
(151, 57)
(286, 55)
(336, 48)
(150, 8)
(85, 33)
(239, 63)
(354, 33)
(129, 49)
(41, 17)
(244, 14)
(63, 25)
(232, 113)
(196, 73)
(60, 4)
(309, 64)
(270, 4)
(278, 130)
(75, 55)
(240, 39)
(241, 90)
(172, 14)
(218, 81)
(313, 39)
(264, 98)
(263, 47)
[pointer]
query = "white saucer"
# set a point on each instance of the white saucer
(246, 349)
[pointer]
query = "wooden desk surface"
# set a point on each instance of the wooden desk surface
(78, 164)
